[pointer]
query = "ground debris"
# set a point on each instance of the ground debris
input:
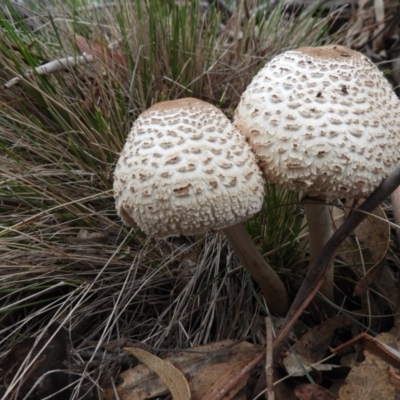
(204, 367)
(43, 377)
(372, 378)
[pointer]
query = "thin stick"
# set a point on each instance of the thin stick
(269, 364)
(395, 199)
(52, 67)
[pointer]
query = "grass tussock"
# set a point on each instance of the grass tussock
(65, 255)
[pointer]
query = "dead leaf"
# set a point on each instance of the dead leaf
(373, 237)
(394, 377)
(96, 49)
(297, 365)
(373, 346)
(224, 379)
(168, 373)
(370, 380)
(374, 233)
(112, 58)
(314, 344)
(310, 391)
(203, 366)
(45, 376)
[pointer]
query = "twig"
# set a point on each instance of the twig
(269, 365)
(316, 275)
(395, 199)
(52, 67)
(246, 10)
(115, 391)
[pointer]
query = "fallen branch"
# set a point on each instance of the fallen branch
(269, 364)
(395, 199)
(51, 67)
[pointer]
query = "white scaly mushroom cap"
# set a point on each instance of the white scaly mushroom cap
(322, 120)
(185, 169)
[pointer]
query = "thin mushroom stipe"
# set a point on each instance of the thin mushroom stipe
(271, 285)
(185, 170)
(319, 221)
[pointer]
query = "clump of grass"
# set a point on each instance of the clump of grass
(65, 255)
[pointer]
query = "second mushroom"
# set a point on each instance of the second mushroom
(323, 121)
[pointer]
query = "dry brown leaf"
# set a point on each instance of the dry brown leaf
(297, 365)
(309, 391)
(314, 344)
(374, 346)
(218, 363)
(45, 371)
(394, 377)
(370, 380)
(168, 373)
(373, 235)
(223, 380)
(203, 366)
(96, 49)
(112, 58)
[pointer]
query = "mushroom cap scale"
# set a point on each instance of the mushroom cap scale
(185, 169)
(323, 121)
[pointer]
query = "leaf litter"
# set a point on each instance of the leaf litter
(200, 371)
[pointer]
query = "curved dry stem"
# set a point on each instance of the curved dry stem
(395, 198)
(272, 286)
(320, 231)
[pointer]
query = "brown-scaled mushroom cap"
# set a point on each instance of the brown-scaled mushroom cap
(185, 169)
(322, 120)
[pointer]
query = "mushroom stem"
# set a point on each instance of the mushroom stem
(320, 231)
(274, 290)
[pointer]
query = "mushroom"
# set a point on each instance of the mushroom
(185, 169)
(322, 121)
